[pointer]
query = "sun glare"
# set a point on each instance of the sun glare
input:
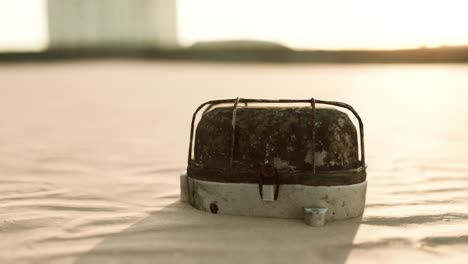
(332, 24)
(301, 24)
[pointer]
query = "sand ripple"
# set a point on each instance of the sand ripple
(91, 153)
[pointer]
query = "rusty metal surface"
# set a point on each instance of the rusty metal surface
(302, 145)
(289, 129)
(239, 175)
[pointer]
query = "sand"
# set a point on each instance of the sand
(90, 154)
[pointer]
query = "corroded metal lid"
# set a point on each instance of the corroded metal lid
(306, 145)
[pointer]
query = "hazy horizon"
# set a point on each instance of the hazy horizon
(331, 25)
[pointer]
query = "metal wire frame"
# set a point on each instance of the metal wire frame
(245, 101)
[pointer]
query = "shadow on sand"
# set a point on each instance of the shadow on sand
(180, 234)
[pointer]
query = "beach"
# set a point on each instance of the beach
(91, 152)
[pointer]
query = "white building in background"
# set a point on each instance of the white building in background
(76, 24)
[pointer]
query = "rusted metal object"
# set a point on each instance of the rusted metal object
(237, 143)
(313, 146)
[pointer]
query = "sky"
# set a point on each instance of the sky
(301, 24)
(23, 25)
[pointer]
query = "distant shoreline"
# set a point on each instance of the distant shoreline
(256, 54)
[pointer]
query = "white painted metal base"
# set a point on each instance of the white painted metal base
(315, 204)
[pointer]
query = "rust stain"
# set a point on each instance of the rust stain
(214, 208)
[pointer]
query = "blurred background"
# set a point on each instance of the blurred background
(293, 31)
(383, 56)
(96, 98)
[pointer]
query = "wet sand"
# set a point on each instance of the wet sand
(90, 154)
